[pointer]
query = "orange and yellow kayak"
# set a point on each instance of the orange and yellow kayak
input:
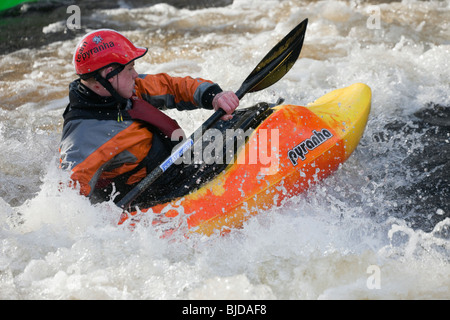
(288, 151)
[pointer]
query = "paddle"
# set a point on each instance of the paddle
(269, 70)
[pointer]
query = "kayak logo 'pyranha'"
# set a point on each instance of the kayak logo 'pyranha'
(300, 150)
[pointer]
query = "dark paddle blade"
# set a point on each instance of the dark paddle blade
(271, 68)
(276, 63)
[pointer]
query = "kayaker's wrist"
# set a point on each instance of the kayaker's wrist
(209, 95)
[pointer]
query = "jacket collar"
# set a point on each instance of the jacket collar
(81, 97)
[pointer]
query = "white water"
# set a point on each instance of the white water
(55, 245)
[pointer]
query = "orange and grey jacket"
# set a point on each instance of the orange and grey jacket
(102, 141)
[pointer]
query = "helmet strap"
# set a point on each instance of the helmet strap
(105, 83)
(115, 72)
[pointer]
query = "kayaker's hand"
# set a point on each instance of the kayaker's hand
(228, 101)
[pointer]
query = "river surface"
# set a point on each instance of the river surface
(379, 228)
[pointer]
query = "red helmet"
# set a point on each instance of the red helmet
(101, 48)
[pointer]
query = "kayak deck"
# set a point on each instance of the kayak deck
(207, 159)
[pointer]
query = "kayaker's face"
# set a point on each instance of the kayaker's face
(124, 82)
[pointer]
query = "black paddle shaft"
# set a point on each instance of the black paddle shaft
(269, 70)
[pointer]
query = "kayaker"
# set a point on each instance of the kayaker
(114, 133)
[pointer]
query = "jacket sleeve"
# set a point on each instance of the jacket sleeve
(166, 92)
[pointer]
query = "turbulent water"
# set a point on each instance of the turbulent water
(379, 228)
